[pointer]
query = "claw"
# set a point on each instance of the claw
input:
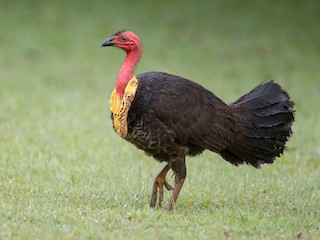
(168, 186)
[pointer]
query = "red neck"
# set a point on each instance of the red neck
(127, 70)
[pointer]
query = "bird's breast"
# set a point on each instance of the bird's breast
(120, 106)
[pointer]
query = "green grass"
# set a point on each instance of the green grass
(65, 174)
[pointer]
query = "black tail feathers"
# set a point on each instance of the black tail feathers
(264, 119)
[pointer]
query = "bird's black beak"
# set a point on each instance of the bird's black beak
(109, 42)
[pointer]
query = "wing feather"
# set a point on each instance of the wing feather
(194, 114)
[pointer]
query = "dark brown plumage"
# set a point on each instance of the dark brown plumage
(171, 117)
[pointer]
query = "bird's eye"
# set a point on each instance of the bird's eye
(124, 38)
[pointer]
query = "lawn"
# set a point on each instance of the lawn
(65, 174)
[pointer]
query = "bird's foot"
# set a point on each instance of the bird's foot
(158, 184)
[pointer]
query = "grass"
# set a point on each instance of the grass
(64, 173)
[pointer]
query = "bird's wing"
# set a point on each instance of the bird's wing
(195, 115)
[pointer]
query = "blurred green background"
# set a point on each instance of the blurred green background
(59, 154)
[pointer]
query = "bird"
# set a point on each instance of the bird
(170, 117)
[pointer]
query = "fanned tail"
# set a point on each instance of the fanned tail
(264, 118)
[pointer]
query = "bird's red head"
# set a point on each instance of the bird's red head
(126, 40)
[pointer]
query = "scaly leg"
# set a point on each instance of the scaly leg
(180, 171)
(159, 181)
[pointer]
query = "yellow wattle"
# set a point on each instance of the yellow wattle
(120, 106)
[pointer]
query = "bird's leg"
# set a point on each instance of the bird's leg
(159, 181)
(180, 171)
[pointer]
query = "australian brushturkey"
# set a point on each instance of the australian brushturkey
(170, 117)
